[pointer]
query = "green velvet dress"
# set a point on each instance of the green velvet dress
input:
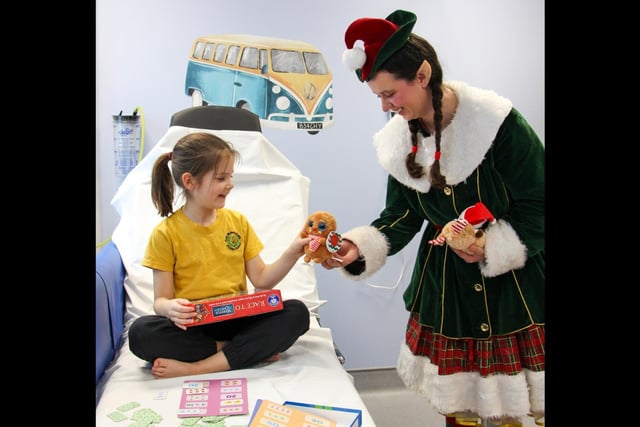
(489, 154)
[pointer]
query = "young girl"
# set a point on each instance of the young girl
(204, 250)
(475, 334)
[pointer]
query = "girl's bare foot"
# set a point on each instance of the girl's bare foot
(273, 358)
(169, 368)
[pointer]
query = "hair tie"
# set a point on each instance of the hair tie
(437, 155)
(414, 149)
(170, 155)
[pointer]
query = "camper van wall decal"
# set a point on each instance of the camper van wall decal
(287, 83)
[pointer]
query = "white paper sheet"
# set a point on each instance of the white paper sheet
(308, 372)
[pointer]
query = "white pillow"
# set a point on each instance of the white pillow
(269, 190)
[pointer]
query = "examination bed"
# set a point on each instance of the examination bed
(273, 194)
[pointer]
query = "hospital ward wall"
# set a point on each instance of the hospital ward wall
(142, 48)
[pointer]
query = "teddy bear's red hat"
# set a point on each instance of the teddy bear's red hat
(477, 214)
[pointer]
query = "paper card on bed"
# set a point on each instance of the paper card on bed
(226, 307)
(272, 414)
(345, 417)
(202, 398)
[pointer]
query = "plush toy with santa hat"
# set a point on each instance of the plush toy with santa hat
(466, 230)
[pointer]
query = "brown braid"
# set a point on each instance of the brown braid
(404, 64)
(416, 170)
(437, 179)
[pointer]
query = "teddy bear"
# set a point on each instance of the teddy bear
(465, 230)
(325, 240)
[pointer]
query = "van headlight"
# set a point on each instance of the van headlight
(283, 103)
(328, 104)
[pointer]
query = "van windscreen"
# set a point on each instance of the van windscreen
(287, 61)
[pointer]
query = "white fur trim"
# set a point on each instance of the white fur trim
(504, 251)
(536, 391)
(465, 141)
(373, 246)
(489, 397)
(354, 59)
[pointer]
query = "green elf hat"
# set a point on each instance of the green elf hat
(381, 38)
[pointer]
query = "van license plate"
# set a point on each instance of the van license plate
(313, 125)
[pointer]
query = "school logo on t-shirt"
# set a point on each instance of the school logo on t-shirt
(233, 240)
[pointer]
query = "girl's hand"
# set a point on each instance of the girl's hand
(297, 245)
(474, 253)
(181, 312)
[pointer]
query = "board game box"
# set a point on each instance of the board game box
(227, 307)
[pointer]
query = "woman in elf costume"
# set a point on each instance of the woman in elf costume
(475, 336)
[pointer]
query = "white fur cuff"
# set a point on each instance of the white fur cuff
(373, 246)
(503, 250)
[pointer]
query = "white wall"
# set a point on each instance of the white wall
(142, 48)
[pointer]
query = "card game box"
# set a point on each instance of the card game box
(269, 413)
(227, 307)
(297, 414)
(344, 417)
(213, 397)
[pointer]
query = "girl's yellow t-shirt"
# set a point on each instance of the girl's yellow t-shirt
(207, 261)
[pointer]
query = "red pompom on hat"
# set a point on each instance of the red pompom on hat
(381, 38)
(477, 214)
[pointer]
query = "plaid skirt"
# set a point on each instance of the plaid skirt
(505, 354)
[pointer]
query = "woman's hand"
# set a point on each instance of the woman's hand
(473, 253)
(347, 253)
